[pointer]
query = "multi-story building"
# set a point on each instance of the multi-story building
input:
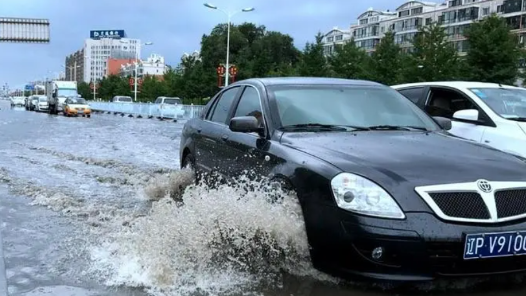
(152, 66)
(454, 15)
(115, 65)
(74, 70)
(91, 62)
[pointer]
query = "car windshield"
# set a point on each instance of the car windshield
(124, 99)
(172, 101)
(42, 99)
(77, 101)
(67, 92)
(352, 106)
(506, 102)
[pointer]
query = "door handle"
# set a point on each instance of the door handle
(199, 130)
(224, 137)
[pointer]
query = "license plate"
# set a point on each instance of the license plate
(491, 245)
(80, 111)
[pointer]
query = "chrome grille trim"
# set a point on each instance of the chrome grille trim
(488, 198)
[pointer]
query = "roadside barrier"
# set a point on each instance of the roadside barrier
(149, 110)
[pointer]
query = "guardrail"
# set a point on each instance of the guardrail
(150, 110)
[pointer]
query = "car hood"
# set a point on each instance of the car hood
(399, 161)
(79, 105)
(417, 157)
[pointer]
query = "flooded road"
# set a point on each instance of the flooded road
(84, 211)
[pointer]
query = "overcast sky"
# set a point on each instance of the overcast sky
(174, 26)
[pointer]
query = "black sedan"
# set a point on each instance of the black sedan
(386, 192)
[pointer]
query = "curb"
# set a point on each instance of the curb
(3, 278)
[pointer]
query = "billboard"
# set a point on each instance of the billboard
(113, 34)
(24, 30)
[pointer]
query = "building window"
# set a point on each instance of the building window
(403, 13)
(363, 22)
(485, 11)
(417, 10)
(339, 37)
(330, 39)
(429, 21)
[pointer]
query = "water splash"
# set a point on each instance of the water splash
(221, 239)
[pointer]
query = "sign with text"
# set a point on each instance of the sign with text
(113, 34)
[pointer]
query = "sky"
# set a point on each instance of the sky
(175, 26)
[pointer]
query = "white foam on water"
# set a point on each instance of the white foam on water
(220, 240)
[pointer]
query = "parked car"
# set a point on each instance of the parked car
(77, 107)
(169, 107)
(17, 101)
(386, 192)
(122, 99)
(486, 113)
(33, 102)
(41, 103)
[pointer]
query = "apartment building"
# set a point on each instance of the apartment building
(74, 67)
(154, 65)
(454, 15)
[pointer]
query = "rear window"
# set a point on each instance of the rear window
(172, 101)
(125, 99)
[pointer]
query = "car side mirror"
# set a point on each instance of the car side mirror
(469, 115)
(245, 124)
(443, 122)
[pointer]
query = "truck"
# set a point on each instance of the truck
(57, 92)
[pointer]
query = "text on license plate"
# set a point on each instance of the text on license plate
(495, 245)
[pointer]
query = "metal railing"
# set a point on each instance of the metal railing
(150, 110)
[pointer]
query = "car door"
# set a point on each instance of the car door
(445, 101)
(209, 147)
(248, 152)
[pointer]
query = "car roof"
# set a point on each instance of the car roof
(308, 80)
(455, 84)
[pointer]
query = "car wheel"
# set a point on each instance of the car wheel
(189, 163)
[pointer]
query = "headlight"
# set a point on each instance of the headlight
(360, 195)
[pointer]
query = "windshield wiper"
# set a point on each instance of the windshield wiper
(520, 119)
(319, 126)
(395, 128)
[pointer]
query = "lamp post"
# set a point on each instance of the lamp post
(136, 67)
(70, 68)
(229, 16)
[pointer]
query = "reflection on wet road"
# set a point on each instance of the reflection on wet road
(82, 213)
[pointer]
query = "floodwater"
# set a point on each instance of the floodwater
(85, 209)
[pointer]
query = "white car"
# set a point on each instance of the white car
(487, 113)
(168, 107)
(41, 104)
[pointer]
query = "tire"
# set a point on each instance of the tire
(189, 162)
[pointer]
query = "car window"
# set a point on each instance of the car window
(220, 112)
(362, 106)
(158, 101)
(445, 102)
(172, 101)
(249, 105)
(414, 94)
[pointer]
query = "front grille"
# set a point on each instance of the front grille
(510, 203)
(446, 260)
(466, 205)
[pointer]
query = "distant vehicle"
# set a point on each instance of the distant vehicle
(41, 103)
(33, 102)
(169, 107)
(122, 99)
(386, 192)
(77, 107)
(17, 101)
(57, 92)
(487, 113)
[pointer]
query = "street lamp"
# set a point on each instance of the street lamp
(136, 67)
(70, 68)
(229, 16)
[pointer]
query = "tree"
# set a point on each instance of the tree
(433, 58)
(386, 61)
(314, 63)
(83, 89)
(493, 53)
(349, 61)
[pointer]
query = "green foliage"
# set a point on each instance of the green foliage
(349, 61)
(433, 58)
(257, 52)
(387, 61)
(493, 51)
